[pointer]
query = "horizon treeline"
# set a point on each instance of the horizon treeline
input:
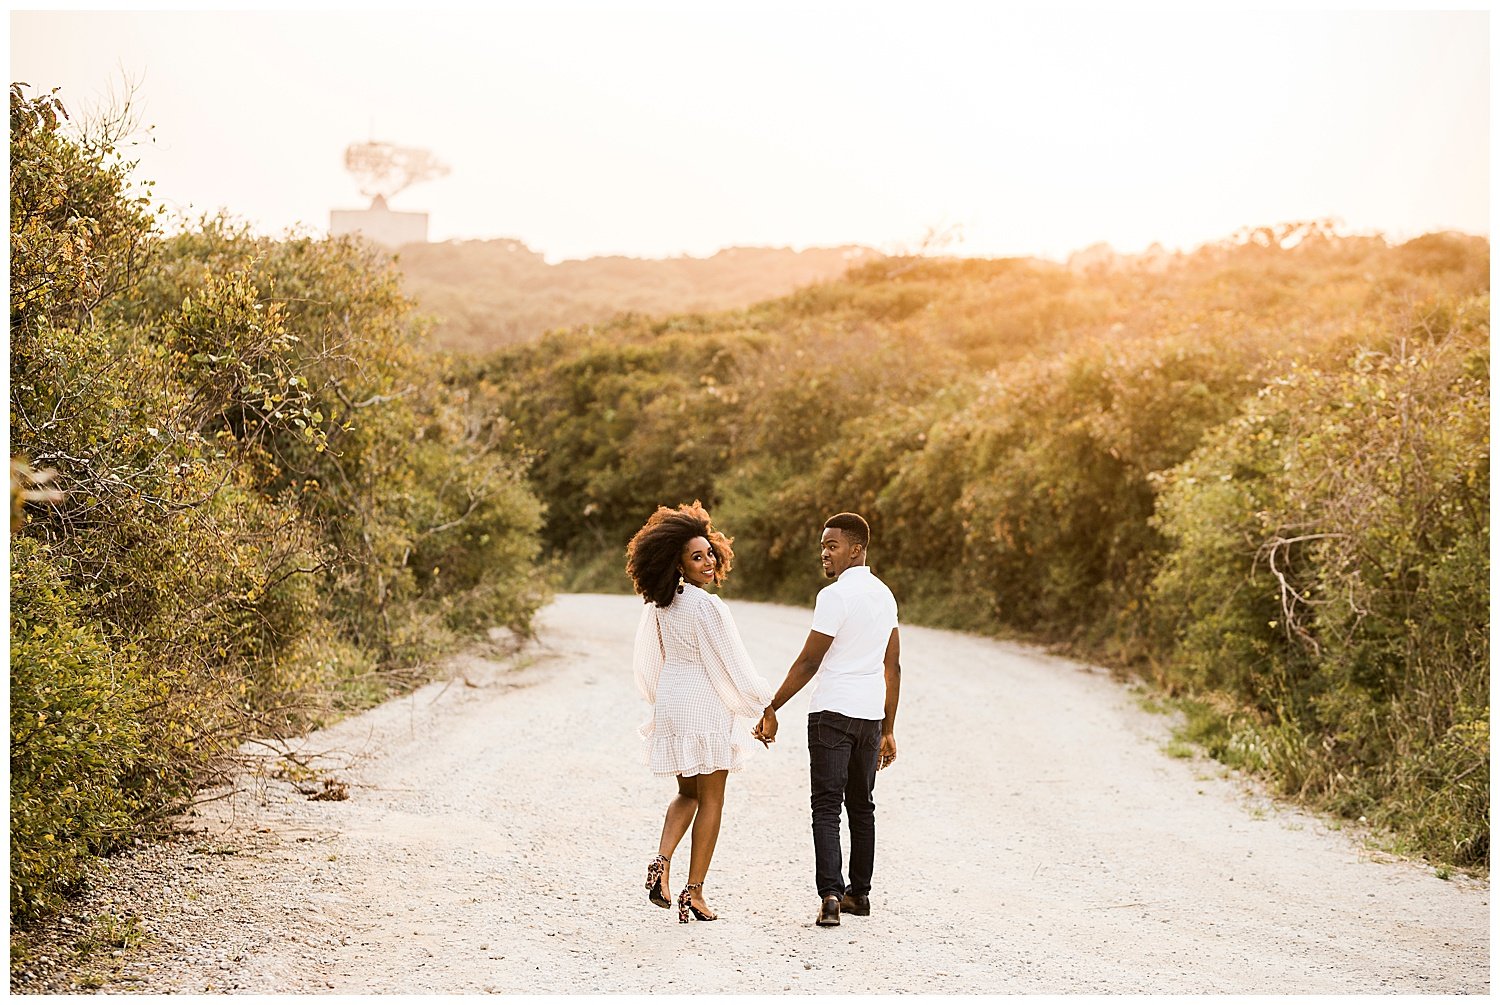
(482, 295)
(1255, 475)
(245, 500)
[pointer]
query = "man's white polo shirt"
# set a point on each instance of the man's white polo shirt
(859, 611)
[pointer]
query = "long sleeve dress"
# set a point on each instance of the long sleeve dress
(692, 667)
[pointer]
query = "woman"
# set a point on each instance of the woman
(692, 667)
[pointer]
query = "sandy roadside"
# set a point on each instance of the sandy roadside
(1033, 837)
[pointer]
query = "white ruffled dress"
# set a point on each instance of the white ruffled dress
(692, 667)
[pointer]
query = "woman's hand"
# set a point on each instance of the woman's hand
(765, 730)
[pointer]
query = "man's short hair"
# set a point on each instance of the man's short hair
(853, 525)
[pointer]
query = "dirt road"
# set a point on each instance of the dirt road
(1033, 837)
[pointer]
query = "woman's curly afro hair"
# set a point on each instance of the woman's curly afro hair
(652, 558)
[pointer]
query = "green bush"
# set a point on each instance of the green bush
(254, 474)
(93, 748)
(1329, 570)
(1042, 480)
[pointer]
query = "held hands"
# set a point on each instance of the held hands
(887, 751)
(765, 730)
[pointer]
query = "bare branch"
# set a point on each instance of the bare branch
(1288, 594)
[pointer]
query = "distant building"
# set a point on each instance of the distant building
(380, 224)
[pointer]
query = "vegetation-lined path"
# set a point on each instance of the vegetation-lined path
(1033, 838)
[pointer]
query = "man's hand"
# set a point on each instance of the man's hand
(887, 750)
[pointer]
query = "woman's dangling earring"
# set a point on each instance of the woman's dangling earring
(681, 581)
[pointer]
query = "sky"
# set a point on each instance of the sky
(661, 129)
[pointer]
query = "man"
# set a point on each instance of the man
(854, 654)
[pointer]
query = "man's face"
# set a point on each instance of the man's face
(839, 552)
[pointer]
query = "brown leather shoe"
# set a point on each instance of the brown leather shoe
(855, 903)
(828, 914)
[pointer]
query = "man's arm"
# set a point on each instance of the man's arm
(892, 698)
(803, 668)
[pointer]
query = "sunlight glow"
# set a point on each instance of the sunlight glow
(654, 132)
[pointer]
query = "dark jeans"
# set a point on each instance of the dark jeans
(843, 753)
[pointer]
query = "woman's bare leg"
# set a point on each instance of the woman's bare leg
(706, 831)
(680, 812)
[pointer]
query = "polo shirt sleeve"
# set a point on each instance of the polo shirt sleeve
(829, 612)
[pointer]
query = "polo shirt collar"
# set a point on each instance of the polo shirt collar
(855, 568)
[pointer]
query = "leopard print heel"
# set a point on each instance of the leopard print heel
(659, 896)
(684, 905)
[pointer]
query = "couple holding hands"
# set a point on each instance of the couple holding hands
(691, 665)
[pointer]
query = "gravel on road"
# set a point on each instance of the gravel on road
(1033, 836)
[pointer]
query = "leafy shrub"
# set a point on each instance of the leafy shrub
(263, 503)
(1329, 569)
(91, 750)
